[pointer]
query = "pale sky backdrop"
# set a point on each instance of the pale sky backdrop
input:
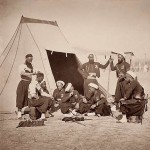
(99, 25)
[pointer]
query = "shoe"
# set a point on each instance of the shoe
(74, 112)
(68, 115)
(98, 115)
(124, 119)
(66, 119)
(43, 117)
(79, 118)
(47, 114)
(51, 115)
(91, 114)
(86, 114)
(19, 115)
(113, 108)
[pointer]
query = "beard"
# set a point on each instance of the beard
(120, 61)
(91, 61)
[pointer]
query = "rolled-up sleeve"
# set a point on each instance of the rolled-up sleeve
(21, 68)
(103, 66)
(32, 89)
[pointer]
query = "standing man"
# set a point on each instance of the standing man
(121, 68)
(26, 71)
(90, 70)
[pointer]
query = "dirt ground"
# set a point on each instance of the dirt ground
(99, 133)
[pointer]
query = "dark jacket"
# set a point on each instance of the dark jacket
(58, 94)
(87, 68)
(71, 99)
(132, 89)
(96, 98)
(120, 68)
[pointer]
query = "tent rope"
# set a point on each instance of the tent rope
(63, 35)
(13, 60)
(15, 33)
(10, 46)
(40, 55)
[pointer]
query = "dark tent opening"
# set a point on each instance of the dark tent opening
(65, 68)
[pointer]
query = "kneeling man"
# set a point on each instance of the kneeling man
(35, 97)
(94, 102)
(133, 102)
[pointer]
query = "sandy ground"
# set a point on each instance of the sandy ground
(99, 133)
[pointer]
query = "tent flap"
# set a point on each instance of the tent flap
(65, 68)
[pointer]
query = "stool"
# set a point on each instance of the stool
(34, 113)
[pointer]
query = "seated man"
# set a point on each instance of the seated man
(44, 90)
(35, 95)
(69, 100)
(52, 106)
(59, 92)
(133, 102)
(95, 101)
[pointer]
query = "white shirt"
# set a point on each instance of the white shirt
(32, 91)
(23, 68)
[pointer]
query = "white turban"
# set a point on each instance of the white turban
(121, 53)
(68, 87)
(132, 74)
(62, 82)
(93, 85)
(91, 53)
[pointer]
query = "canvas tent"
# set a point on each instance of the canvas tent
(52, 55)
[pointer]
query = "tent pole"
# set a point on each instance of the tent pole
(109, 70)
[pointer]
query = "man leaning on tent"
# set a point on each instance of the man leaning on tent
(90, 71)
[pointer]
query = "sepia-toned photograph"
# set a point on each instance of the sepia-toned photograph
(74, 74)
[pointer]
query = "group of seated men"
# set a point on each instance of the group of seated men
(66, 98)
(129, 93)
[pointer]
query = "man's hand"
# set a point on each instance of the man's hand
(71, 94)
(84, 100)
(102, 96)
(92, 75)
(122, 99)
(34, 73)
(35, 96)
(58, 99)
(111, 60)
(56, 105)
(93, 106)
